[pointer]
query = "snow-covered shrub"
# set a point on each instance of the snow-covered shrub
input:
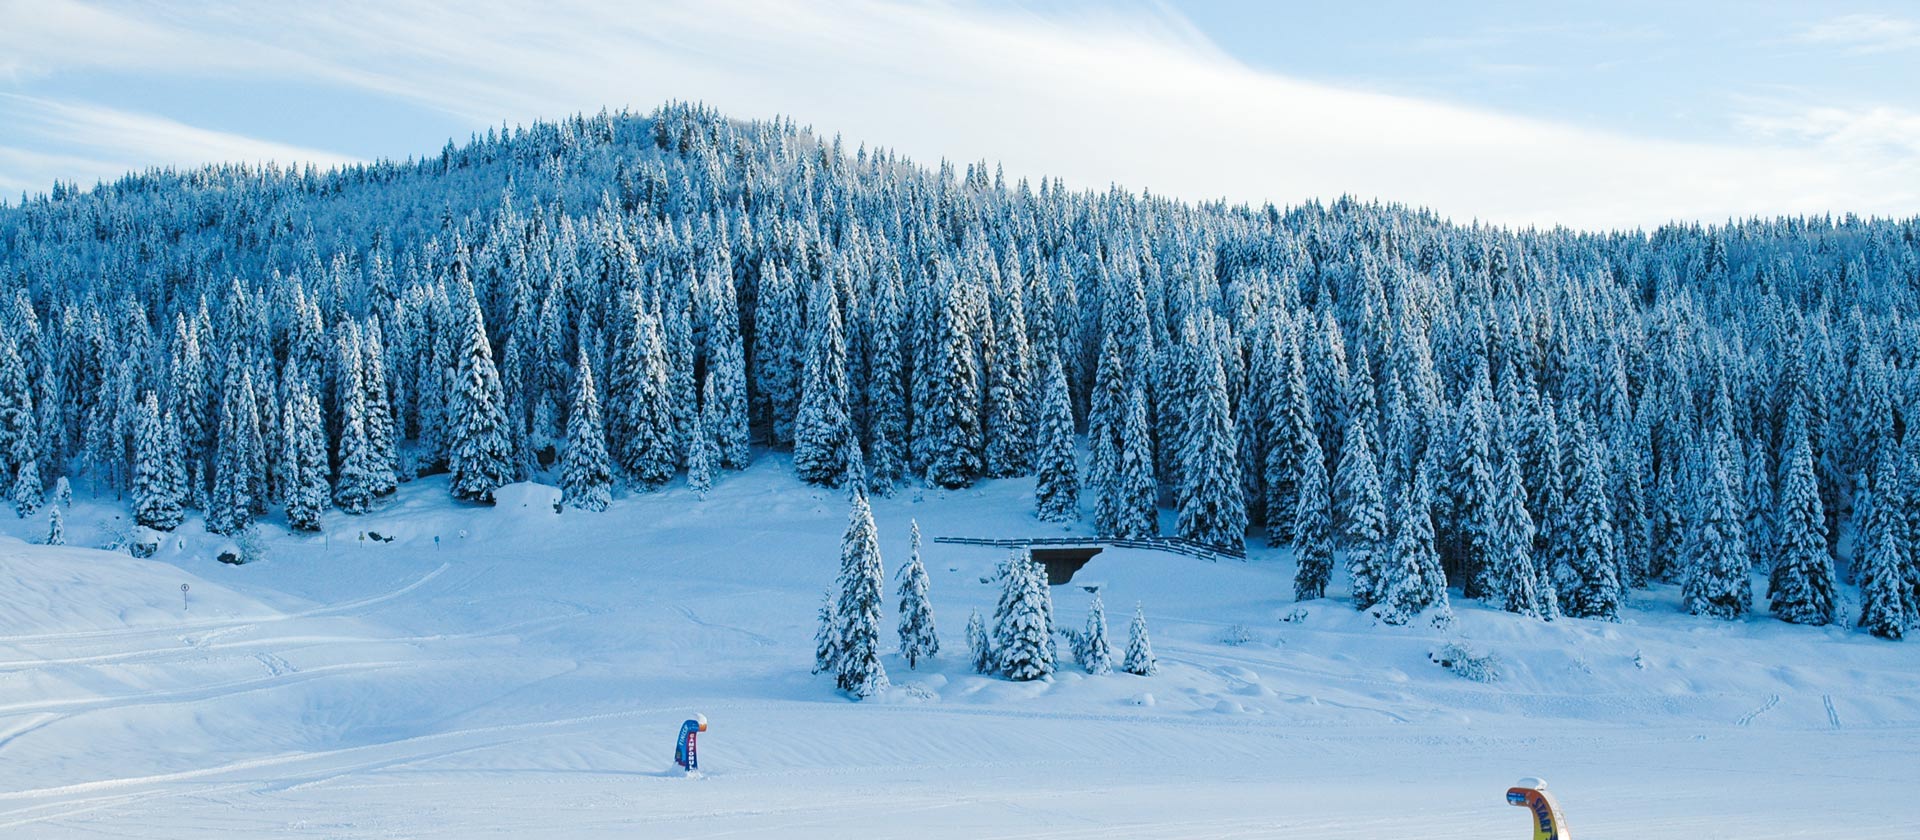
(1464, 662)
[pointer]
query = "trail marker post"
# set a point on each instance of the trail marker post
(183, 596)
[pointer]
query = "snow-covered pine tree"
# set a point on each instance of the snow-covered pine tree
(702, 450)
(1411, 580)
(862, 580)
(1138, 496)
(1717, 575)
(1801, 588)
(980, 647)
(647, 451)
(917, 637)
(1590, 587)
(776, 358)
(1005, 428)
(1514, 579)
(156, 500)
(1139, 658)
(1290, 427)
(56, 529)
(886, 390)
(230, 510)
(1023, 629)
(823, 428)
(1471, 487)
(1882, 553)
(727, 368)
(1106, 417)
(377, 411)
(1363, 515)
(954, 458)
(1057, 492)
(826, 638)
(305, 460)
(1213, 504)
(1095, 654)
(1312, 525)
(19, 450)
(353, 493)
(586, 471)
(479, 457)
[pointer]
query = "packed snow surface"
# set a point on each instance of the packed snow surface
(514, 672)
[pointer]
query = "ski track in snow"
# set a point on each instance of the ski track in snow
(527, 682)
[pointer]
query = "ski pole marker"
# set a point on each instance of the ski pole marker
(1548, 823)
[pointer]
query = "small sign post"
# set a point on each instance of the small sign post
(183, 596)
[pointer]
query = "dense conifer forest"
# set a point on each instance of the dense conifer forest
(1548, 420)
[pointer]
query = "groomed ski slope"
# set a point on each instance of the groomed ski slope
(525, 677)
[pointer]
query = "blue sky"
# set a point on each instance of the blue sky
(1589, 114)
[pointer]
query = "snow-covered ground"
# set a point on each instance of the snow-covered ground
(510, 672)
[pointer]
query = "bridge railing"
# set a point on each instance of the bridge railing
(1175, 545)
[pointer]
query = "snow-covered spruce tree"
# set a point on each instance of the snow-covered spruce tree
(859, 672)
(727, 368)
(1139, 659)
(1883, 552)
(702, 451)
(826, 638)
(19, 450)
(156, 499)
(56, 529)
(1717, 581)
(1006, 431)
(1363, 514)
(479, 456)
(1411, 579)
(918, 640)
(1312, 525)
(1057, 491)
(1591, 586)
(359, 469)
(230, 510)
(1213, 504)
(823, 428)
(1106, 416)
(886, 391)
(1095, 654)
(1138, 496)
(586, 471)
(1801, 588)
(1023, 627)
(1289, 428)
(776, 349)
(1471, 488)
(305, 460)
(1514, 579)
(377, 408)
(980, 651)
(647, 451)
(954, 459)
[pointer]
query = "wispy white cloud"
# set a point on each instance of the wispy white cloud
(1865, 33)
(95, 142)
(1136, 98)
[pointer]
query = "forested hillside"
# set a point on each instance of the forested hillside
(1543, 419)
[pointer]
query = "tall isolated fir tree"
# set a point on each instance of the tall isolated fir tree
(918, 640)
(1139, 660)
(859, 672)
(1095, 655)
(1023, 620)
(479, 456)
